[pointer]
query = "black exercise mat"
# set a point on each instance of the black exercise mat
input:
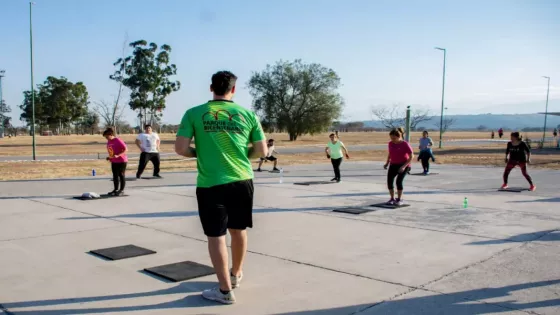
(517, 190)
(315, 183)
(386, 206)
(354, 210)
(105, 196)
(422, 174)
(122, 252)
(181, 271)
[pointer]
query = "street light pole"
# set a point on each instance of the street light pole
(546, 108)
(442, 98)
(32, 85)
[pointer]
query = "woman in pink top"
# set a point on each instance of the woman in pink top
(400, 156)
(117, 155)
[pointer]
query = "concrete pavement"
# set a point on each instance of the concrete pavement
(498, 256)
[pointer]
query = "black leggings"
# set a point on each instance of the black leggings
(425, 157)
(118, 175)
(336, 166)
(394, 172)
(145, 157)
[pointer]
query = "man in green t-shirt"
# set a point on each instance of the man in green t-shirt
(222, 132)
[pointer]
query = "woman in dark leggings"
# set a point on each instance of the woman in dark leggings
(426, 153)
(117, 156)
(400, 156)
(518, 154)
(334, 150)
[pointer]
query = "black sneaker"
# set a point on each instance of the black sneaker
(334, 179)
(259, 170)
(157, 176)
(275, 170)
(112, 193)
(119, 193)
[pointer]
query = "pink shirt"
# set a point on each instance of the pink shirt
(116, 146)
(399, 153)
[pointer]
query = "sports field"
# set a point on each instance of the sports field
(455, 151)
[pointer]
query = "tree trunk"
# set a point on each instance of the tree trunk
(293, 135)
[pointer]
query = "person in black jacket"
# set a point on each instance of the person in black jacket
(517, 154)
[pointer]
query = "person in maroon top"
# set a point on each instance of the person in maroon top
(116, 148)
(399, 158)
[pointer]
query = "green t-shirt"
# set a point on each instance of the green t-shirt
(335, 149)
(222, 131)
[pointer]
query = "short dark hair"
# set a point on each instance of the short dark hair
(223, 82)
(147, 125)
(270, 140)
(517, 136)
(108, 132)
(331, 135)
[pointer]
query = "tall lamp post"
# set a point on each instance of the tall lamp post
(442, 97)
(546, 108)
(32, 85)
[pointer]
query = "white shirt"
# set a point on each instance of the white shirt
(148, 142)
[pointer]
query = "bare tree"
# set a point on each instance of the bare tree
(417, 116)
(110, 113)
(395, 116)
(447, 123)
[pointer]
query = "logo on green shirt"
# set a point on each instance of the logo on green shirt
(213, 122)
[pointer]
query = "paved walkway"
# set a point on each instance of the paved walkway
(498, 256)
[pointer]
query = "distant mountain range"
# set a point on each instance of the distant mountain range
(490, 121)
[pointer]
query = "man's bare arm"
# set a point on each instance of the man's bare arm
(259, 149)
(183, 147)
(138, 144)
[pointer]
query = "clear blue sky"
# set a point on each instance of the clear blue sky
(383, 50)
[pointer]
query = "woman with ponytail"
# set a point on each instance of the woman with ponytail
(518, 154)
(399, 158)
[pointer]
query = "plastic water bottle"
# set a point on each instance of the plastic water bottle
(465, 203)
(93, 172)
(281, 176)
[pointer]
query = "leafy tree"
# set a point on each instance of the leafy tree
(58, 103)
(395, 116)
(90, 123)
(4, 120)
(147, 74)
(296, 97)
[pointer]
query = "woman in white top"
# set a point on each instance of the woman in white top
(334, 152)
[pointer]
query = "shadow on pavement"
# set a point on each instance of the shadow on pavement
(178, 214)
(453, 303)
(551, 236)
(183, 288)
(458, 303)
(384, 193)
(557, 199)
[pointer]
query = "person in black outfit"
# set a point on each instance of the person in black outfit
(148, 142)
(117, 149)
(517, 154)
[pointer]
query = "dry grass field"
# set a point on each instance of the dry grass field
(491, 154)
(87, 144)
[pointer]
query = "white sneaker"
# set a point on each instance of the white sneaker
(215, 294)
(236, 281)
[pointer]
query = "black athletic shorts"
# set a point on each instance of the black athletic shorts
(270, 158)
(228, 206)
